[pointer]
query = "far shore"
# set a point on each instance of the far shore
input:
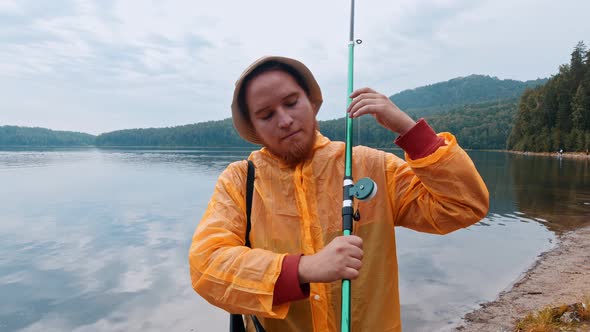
(572, 155)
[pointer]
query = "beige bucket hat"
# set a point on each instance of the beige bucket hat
(242, 124)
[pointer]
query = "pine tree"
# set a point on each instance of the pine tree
(564, 99)
(580, 109)
(577, 65)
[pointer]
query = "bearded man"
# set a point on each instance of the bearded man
(290, 276)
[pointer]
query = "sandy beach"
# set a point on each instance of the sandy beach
(560, 276)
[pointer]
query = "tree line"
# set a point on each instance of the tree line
(478, 109)
(455, 105)
(26, 136)
(473, 89)
(476, 126)
(211, 133)
(556, 116)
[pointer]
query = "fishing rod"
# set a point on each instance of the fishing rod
(363, 190)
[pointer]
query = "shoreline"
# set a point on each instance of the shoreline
(559, 276)
(570, 155)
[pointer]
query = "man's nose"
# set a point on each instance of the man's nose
(285, 120)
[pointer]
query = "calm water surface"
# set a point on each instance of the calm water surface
(97, 240)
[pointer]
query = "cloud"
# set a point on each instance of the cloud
(106, 65)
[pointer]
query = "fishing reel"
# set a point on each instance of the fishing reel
(364, 190)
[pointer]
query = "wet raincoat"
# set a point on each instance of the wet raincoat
(299, 210)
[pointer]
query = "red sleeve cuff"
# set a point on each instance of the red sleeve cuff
(287, 287)
(420, 141)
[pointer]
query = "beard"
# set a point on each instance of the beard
(297, 152)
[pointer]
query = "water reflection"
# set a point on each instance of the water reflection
(100, 243)
(97, 240)
(553, 190)
(495, 169)
(444, 277)
(28, 159)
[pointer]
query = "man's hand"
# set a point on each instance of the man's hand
(369, 101)
(340, 259)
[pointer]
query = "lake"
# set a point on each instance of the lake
(97, 239)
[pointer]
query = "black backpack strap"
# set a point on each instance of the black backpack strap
(236, 323)
(249, 193)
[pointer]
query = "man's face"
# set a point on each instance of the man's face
(282, 115)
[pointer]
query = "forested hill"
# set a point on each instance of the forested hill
(476, 126)
(479, 110)
(556, 115)
(443, 96)
(26, 136)
(212, 133)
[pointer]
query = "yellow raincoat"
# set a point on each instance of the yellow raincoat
(299, 210)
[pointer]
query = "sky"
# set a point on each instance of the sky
(104, 65)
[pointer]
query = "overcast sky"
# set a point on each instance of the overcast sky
(98, 66)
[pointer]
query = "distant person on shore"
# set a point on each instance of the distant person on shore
(290, 277)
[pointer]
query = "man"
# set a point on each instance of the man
(290, 279)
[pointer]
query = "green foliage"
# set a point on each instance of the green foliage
(478, 126)
(211, 133)
(556, 115)
(580, 105)
(479, 110)
(473, 89)
(25, 136)
(366, 132)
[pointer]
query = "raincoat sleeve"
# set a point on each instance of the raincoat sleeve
(438, 193)
(223, 270)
